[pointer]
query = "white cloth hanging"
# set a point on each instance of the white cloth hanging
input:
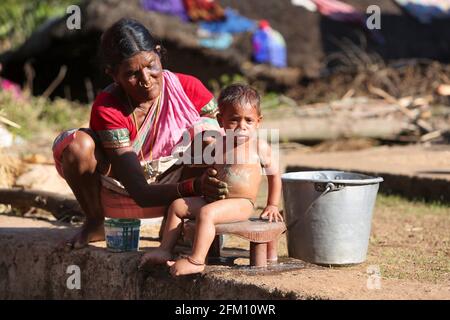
(307, 4)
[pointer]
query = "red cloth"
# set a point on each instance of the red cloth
(119, 206)
(204, 10)
(108, 114)
(195, 90)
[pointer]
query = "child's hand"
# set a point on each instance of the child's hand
(271, 212)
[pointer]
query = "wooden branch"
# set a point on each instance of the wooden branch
(9, 122)
(350, 93)
(89, 89)
(60, 206)
(431, 136)
(422, 124)
(294, 128)
(56, 82)
(29, 76)
(383, 94)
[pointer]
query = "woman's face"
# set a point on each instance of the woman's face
(140, 76)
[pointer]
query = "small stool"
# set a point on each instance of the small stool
(263, 237)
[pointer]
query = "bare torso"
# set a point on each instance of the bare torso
(240, 168)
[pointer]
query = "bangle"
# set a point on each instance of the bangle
(197, 186)
(194, 262)
(178, 191)
(186, 188)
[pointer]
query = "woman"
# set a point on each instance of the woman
(135, 126)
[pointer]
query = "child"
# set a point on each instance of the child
(240, 116)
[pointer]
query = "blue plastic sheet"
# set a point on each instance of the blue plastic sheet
(169, 7)
(233, 23)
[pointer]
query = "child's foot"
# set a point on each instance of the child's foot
(185, 266)
(156, 256)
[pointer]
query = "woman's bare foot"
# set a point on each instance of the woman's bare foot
(90, 232)
(156, 256)
(184, 267)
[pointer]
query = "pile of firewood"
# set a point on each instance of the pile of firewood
(407, 119)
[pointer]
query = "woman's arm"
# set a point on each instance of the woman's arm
(127, 169)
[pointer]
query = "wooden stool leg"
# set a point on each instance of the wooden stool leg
(161, 229)
(272, 251)
(214, 250)
(258, 254)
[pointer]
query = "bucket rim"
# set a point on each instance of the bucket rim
(288, 176)
(121, 222)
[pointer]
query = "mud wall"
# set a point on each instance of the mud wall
(311, 40)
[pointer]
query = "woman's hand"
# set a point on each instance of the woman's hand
(210, 187)
(272, 213)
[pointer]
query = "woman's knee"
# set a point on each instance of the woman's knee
(79, 155)
(206, 214)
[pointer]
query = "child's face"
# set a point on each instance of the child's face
(242, 119)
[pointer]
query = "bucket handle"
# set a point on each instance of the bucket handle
(325, 188)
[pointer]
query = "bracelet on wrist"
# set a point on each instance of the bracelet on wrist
(178, 191)
(197, 186)
(186, 188)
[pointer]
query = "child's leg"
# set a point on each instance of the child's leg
(184, 208)
(180, 209)
(222, 211)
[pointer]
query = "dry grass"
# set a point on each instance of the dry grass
(39, 116)
(411, 240)
(10, 168)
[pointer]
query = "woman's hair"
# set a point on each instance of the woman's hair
(239, 95)
(124, 39)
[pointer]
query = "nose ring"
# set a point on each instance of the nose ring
(144, 85)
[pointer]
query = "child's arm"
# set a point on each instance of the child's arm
(270, 164)
(271, 210)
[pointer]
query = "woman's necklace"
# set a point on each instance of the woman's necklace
(148, 170)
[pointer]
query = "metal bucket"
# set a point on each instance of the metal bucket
(328, 215)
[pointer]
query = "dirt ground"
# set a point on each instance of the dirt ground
(419, 160)
(409, 241)
(409, 244)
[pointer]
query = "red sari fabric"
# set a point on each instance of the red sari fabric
(108, 114)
